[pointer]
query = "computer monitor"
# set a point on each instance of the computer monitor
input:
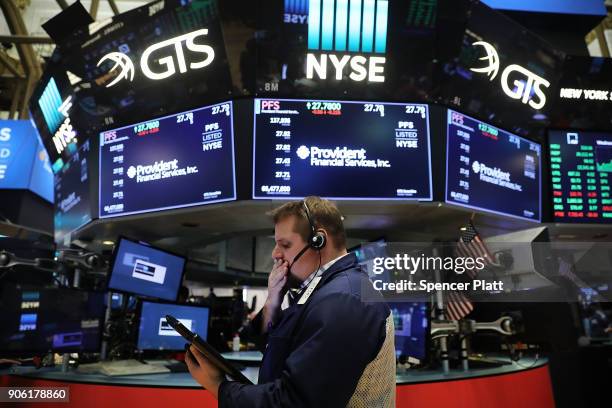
(366, 253)
(39, 320)
(412, 330)
(154, 332)
(144, 270)
(580, 169)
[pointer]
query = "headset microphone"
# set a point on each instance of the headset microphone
(298, 256)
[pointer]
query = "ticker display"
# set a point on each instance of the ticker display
(341, 150)
(492, 170)
(581, 169)
(176, 161)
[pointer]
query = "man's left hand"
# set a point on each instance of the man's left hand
(206, 374)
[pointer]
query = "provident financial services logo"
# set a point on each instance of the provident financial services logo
(350, 28)
(303, 152)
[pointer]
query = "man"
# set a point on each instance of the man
(333, 346)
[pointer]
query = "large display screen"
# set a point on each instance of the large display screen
(72, 205)
(144, 270)
(584, 7)
(154, 332)
(341, 150)
(39, 320)
(581, 170)
(176, 161)
(24, 163)
(492, 170)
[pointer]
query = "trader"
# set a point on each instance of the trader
(333, 346)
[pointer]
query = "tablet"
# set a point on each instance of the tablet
(209, 352)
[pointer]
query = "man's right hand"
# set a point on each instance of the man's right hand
(277, 288)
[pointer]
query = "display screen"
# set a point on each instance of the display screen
(155, 333)
(72, 206)
(40, 320)
(580, 171)
(585, 7)
(176, 161)
(492, 170)
(144, 270)
(411, 330)
(24, 163)
(341, 150)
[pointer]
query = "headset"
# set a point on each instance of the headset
(316, 239)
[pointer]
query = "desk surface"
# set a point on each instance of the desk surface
(184, 380)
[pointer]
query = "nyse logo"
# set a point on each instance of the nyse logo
(349, 30)
(66, 133)
(165, 53)
(296, 11)
(525, 82)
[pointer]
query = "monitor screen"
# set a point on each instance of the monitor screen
(411, 330)
(492, 170)
(143, 270)
(580, 165)
(341, 150)
(72, 205)
(154, 332)
(39, 320)
(366, 253)
(176, 161)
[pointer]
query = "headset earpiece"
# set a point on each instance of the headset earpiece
(317, 239)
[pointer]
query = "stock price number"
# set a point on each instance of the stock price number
(147, 127)
(417, 110)
(185, 117)
(223, 108)
(374, 108)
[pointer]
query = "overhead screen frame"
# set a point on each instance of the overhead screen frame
(292, 197)
(177, 207)
(578, 221)
(113, 260)
(194, 306)
(541, 217)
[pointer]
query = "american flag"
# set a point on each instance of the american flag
(458, 305)
(470, 245)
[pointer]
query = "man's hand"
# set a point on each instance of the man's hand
(206, 374)
(276, 291)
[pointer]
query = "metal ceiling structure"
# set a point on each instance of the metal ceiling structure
(25, 45)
